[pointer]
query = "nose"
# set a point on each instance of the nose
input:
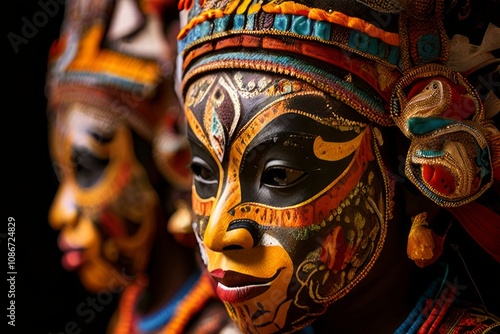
(63, 211)
(243, 233)
(226, 232)
(238, 234)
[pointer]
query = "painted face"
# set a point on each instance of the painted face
(289, 196)
(105, 206)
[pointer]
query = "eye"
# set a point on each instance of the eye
(202, 171)
(87, 167)
(281, 176)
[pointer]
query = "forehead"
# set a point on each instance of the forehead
(226, 101)
(221, 104)
(79, 117)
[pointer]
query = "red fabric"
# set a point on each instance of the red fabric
(461, 320)
(57, 48)
(160, 6)
(439, 178)
(482, 224)
(185, 4)
(418, 87)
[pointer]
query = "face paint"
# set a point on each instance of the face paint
(290, 197)
(105, 206)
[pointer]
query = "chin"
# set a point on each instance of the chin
(100, 277)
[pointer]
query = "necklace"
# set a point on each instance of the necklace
(125, 318)
(173, 317)
(433, 312)
(161, 317)
(430, 308)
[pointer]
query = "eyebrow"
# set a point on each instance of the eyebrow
(335, 151)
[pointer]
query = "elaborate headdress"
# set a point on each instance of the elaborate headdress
(93, 64)
(388, 60)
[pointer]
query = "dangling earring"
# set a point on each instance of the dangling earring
(424, 245)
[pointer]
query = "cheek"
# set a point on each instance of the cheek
(131, 224)
(112, 225)
(137, 200)
(201, 212)
(334, 248)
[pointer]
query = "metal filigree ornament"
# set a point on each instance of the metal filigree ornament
(449, 159)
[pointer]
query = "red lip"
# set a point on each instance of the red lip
(71, 260)
(239, 295)
(72, 257)
(234, 287)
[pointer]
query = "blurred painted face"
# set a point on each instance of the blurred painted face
(105, 206)
(289, 196)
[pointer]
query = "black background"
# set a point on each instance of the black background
(47, 298)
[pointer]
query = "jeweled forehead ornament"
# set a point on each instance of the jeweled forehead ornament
(385, 59)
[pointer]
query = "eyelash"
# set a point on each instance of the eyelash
(271, 179)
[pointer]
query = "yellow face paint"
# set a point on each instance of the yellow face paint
(105, 205)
